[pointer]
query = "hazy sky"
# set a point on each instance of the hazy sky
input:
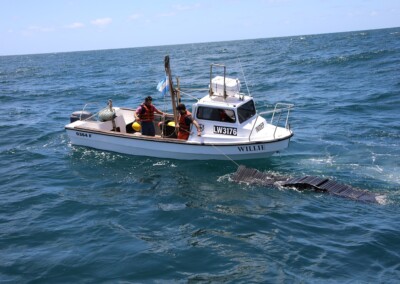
(41, 26)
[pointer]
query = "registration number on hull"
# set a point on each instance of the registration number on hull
(225, 130)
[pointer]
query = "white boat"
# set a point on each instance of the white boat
(230, 126)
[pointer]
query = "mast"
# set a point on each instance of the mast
(172, 91)
(178, 90)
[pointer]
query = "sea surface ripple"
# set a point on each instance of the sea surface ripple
(72, 214)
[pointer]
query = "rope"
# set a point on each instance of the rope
(229, 158)
(195, 89)
(189, 95)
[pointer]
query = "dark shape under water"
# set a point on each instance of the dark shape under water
(255, 177)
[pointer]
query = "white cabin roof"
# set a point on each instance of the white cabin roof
(231, 101)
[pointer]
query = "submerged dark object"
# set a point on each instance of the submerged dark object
(255, 177)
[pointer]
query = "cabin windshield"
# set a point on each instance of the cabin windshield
(216, 114)
(246, 111)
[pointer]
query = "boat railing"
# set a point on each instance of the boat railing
(211, 92)
(281, 111)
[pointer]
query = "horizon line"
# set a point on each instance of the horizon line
(200, 42)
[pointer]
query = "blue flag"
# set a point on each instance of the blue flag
(163, 86)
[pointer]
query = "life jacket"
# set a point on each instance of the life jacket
(182, 122)
(147, 113)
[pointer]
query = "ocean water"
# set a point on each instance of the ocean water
(76, 215)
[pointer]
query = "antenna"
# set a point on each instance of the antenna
(245, 81)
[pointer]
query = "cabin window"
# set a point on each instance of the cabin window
(216, 114)
(246, 111)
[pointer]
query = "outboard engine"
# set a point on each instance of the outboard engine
(81, 115)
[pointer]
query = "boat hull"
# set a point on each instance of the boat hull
(173, 148)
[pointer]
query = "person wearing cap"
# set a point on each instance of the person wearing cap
(184, 122)
(145, 115)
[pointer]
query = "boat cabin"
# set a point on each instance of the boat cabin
(219, 116)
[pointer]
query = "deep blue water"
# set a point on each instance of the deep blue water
(71, 214)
